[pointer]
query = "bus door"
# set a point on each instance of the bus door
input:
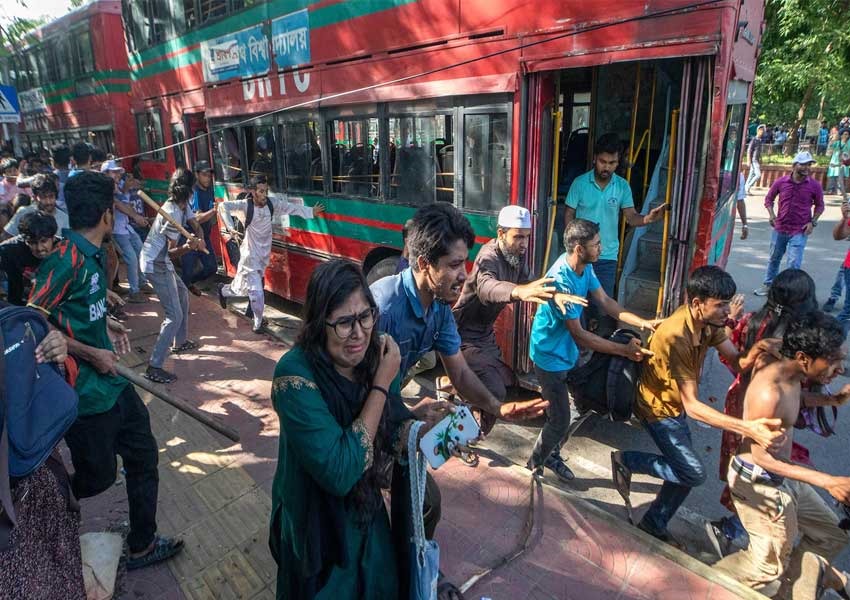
(195, 129)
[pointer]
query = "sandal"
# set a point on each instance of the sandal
(163, 549)
(622, 481)
(185, 347)
(159, 375)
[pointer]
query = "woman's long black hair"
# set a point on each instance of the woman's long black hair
(331, 284)
(791, 295)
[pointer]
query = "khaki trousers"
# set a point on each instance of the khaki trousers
(774, 516)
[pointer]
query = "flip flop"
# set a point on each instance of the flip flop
(163, 549)
(185, 347)
(159, 375)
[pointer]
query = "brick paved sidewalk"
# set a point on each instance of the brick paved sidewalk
(216, 495)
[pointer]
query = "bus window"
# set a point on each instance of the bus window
(302, 156)
(149, 131)
(260, 147)
(226, 155)
(486, 161)
(63, 57)
(413, 160)
(354, 157)
(731, 152)
(85, 57)
(177, 136)
(212, 9)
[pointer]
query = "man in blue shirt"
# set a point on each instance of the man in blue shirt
(416, 304)
(203, 205)
(557, 332)
(598, 196)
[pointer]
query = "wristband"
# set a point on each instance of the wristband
(380, 389)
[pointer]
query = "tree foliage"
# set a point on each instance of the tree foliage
(805, 58)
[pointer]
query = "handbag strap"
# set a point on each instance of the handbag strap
(416, 464)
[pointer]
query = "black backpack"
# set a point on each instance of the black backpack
(607, 384)
(232, 247)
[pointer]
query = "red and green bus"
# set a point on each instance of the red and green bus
(73, 81)
(376, 108)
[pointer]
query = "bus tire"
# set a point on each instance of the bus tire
(383, 268)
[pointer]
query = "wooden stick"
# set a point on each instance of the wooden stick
(183, 231)
(207, 419)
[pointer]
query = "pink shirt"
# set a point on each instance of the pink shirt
(8, 191)
(795, 203)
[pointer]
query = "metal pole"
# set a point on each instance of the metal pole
(670, 156)
(556, 157)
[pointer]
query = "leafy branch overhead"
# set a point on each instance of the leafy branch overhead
(804, 62)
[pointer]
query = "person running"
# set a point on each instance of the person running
(160, 247)
(668, 393)
(556, 334)
(21, 255)
(256, 211)
(70, 288)
(776, 498)
(791, 296)
(800, 207)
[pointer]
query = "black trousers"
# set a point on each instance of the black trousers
(123, 430)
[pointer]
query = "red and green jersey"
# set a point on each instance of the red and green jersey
(70, 287)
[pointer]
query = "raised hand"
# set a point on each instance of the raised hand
(539, 291)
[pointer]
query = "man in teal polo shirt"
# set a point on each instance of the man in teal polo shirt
(598, 196)
(557, 333)
(70, 288)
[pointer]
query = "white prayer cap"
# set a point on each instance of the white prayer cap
(804, 158)
(514, 217)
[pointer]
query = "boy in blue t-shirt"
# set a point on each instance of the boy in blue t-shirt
(557, 332)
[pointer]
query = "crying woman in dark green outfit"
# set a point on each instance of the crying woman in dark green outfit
(341, 436)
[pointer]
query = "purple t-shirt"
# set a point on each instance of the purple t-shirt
(795, 203)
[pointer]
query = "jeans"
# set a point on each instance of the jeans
(678, 465)
(753, 177)
(780, 242)
(606, 273)
(174, 298)
(131, 245)
(554, 432)
(189, 264)
(125, 430)
(844, 315)
(838, 286)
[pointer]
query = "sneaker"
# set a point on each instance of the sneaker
(554, 462)
(829, 305)
(137, 298)
(810, 582)
(222, 301)
(721, 544)
(762, 291)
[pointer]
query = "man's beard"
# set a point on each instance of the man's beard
(514, 260)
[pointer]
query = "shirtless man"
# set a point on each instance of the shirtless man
(775, 498)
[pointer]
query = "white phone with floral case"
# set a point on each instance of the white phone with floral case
(456, 429)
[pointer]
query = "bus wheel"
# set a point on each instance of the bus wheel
(382, 268)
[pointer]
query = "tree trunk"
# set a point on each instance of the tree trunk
(793, 138)
(820, 107)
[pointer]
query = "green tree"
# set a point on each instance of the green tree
(804, 64)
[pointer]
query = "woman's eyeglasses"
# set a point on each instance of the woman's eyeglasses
(344, 326)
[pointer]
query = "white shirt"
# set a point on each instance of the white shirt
(15, 222)
(256, 247)
(155, 249)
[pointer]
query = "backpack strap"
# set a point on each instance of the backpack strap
(249, 212)
(7, 509)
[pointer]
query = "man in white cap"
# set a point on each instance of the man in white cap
(800, 206)
(500, 276)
